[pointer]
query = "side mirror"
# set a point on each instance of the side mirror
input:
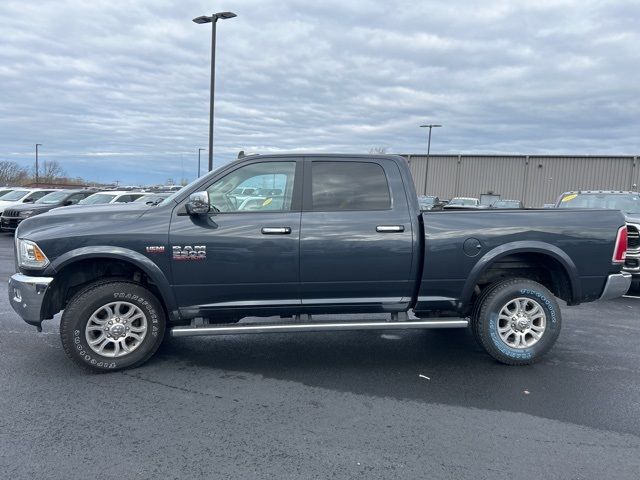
(67, 203)
(198, 203)
(28, 200)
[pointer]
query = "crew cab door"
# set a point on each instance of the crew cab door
(356, 238)
(245, 252)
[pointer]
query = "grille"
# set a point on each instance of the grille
(11, 213)
(633, 235)
(9, 222)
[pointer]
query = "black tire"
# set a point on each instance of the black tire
(485, 320)
(83, 305)
(476, 309)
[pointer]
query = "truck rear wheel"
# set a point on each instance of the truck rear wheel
(112, 325)
(517, 321)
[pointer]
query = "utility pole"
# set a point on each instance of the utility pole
(199, 150)
(430, 127)
(37, 176)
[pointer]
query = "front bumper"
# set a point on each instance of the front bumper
(26, 295)
(9, 224)
(616, 286)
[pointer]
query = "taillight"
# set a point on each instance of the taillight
(620, 252)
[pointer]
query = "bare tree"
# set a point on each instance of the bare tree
(378, 150)
(51, 171)
(12, 174)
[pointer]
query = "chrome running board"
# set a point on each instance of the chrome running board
(240, 328)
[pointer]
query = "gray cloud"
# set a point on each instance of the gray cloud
(120, 90)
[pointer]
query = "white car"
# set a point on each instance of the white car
(19, 196)
(463, 202)
(102, 198)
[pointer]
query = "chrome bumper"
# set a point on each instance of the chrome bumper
(616, 286)
(26, 295)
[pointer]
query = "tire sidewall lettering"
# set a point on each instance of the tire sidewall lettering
(92, 298)
(524, 354)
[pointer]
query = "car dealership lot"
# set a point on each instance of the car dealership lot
(377, 405)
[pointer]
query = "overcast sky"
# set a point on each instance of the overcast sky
(120, 90)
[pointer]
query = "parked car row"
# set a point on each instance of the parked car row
(431, 202)
(17, 203)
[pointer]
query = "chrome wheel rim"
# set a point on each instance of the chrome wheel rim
(521, 323)
(116, 329)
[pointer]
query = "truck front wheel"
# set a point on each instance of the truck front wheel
(517, 321)
(112, 325)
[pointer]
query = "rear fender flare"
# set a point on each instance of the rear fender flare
(521, 247)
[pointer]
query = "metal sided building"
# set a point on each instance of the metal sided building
(534, 179)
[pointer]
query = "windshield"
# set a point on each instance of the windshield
(5, 192)
(628, 203)
(154, 198)
(171, 198)
(96, 198)
(53, 198)
(15, 195)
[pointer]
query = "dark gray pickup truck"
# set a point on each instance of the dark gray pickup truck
(297, 236)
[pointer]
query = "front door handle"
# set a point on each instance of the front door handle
(390, 228)
(276, 230)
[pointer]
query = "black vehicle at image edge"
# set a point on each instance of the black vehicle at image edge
(628, 203)
(332, 234)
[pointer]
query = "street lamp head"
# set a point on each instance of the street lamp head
(202, 19)
(430, 126)
(214, 17)
(225, 15)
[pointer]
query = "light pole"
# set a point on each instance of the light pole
(199, 150)
(213, 19)
(37, 179)
(430, 127)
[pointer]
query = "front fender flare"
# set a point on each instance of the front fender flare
(521, 247)
(118, 253)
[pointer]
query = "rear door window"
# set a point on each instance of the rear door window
(349, 186)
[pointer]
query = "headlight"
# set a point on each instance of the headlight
(30, 255)
(25, 214)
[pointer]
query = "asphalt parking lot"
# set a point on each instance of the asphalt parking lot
(332, 405)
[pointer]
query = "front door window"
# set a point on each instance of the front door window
(258, 187)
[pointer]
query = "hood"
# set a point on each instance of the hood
(101, 209)
(7, 203)
(80, 219)
(21, 207)
(632, 217)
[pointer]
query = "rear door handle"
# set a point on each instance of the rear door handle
(389, 228)
(276, 230)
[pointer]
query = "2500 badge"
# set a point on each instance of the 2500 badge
(188, 252)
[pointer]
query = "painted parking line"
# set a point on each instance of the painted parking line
(631, 296)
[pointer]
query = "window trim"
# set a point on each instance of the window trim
(296, 196)
(308, 184)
